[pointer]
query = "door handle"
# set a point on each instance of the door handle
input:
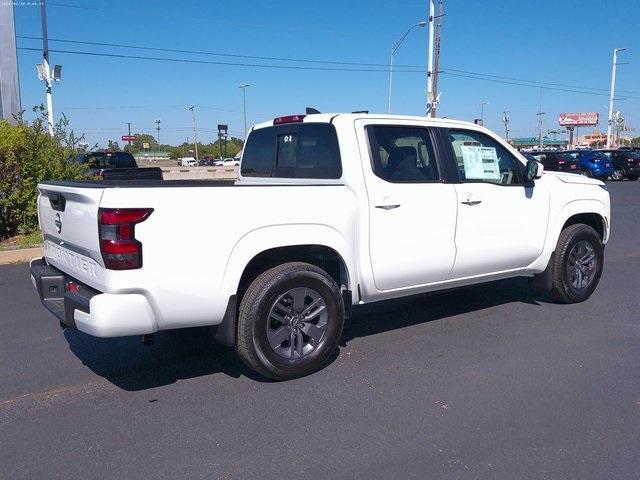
(388, 207)
(471, 202)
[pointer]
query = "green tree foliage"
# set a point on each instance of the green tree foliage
(141, 139)
(113, 146)
(28, 155)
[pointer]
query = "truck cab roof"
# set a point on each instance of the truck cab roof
(331, 117)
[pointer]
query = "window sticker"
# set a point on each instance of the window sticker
(480, 163)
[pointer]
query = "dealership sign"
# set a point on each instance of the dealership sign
(578, 119)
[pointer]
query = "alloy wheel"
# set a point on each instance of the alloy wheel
(297, 323)
(581, 265)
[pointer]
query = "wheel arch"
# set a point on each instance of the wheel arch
(267, 247)
(591, 212)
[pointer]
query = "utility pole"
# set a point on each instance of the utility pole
(612, 93)
(540, 124)
(505, 119)
(157, 122)
(430, 97)
(436, 68)
(193, 124)
(129, 129)
(244, 106)
(10, 107)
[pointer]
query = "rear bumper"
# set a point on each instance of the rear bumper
(98, 314)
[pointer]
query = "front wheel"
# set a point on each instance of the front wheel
(290, 321)
(633, 178)
(578, 263)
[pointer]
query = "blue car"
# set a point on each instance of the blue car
(593, 163)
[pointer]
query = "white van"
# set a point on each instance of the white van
(188, 162)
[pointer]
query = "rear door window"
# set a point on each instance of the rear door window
(306, 150)
(402, 154)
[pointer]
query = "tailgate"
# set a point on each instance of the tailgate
(68, 217)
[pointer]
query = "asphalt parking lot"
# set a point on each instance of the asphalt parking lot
(492, 381)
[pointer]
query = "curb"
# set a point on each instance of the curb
(20, 256)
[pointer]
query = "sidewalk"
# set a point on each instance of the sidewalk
(22, 255)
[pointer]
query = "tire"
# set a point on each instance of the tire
(271, 310)
(569, 286)
(586, 173)
(633, 178)
(618, 174)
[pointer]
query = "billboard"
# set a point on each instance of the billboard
(578, 119)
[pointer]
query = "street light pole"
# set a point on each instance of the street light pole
(157, 122)
(482, 104)
(394, 49)
(193, 124)
(244, 106)
(612, 93)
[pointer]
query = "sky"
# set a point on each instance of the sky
(502, 43)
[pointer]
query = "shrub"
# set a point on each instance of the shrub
(29, 155)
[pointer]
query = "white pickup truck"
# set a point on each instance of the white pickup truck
(330, 210)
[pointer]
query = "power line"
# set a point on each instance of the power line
(210, 62)
(215, 54)
(522, 83)
(408, 68)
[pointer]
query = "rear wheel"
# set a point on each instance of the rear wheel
(290, 321)
(618, 174)
(585, 173)
(578, 264)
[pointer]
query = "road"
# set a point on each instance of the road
(492, 381)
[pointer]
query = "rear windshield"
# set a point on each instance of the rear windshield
(303, 150)
(108, 160)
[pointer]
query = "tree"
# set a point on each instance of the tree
(29, 155)
(635, 141)
(142, 138)
(113, 146)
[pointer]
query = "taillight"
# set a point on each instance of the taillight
(118, 244)
(288, 119)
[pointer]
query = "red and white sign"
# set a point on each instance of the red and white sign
(578, 119)
(128, 138)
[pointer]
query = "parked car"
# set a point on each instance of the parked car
(626, 163)
(593, 163)
(559, 162)
(116, 166)
(329, 211)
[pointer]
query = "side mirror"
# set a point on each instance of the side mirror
(534, 170)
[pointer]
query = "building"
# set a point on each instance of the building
(530, 142)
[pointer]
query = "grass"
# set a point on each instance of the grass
(27, 240)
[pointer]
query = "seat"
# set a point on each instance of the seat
(403, 165)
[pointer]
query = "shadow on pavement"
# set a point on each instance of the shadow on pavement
(190, 353)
